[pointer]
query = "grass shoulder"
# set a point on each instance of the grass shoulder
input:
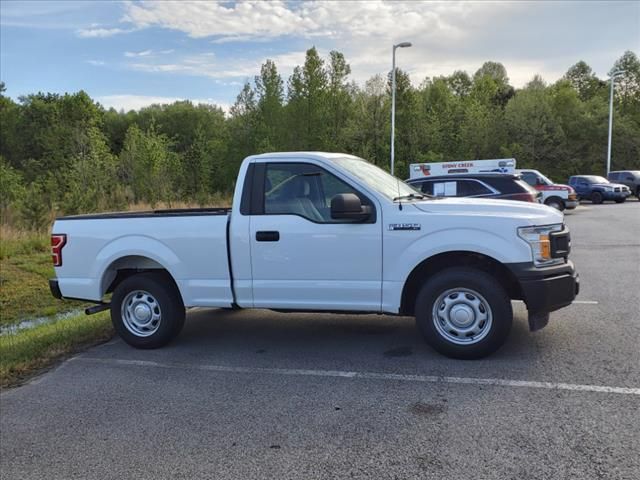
(26, 352)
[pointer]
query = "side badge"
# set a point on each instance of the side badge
(404, 226)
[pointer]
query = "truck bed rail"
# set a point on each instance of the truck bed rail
(176, 212)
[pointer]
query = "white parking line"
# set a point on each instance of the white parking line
(585, 302)
(370, 375)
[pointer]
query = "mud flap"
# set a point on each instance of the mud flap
(538, 321)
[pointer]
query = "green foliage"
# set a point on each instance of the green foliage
(11, 185)
(67, 154)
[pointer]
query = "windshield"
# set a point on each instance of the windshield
(545, 179)
(376, 178)
(595, 179)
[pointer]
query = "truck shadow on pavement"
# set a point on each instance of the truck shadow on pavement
(317, 340)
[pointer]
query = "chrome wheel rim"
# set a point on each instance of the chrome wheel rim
(141, 313)
(462, 316)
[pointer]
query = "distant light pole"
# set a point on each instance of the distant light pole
(393, 99)
(615, 74)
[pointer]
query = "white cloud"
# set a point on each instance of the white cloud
(204, 19)
(206, 65)
(128, 102)
(528, 37)
(96, 63)
(143, 53)
(101, 32)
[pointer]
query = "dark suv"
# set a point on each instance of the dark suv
(478, 185)
(630, 178)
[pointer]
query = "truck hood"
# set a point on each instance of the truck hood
(533, 213)
(610, 185)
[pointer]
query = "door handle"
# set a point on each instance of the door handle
(267, 236)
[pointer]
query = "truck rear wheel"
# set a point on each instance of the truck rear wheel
(464, 313)
(147, 310)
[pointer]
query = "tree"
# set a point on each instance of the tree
(532, 124)
(408, 140)
(496, 72)
(367, 130)
(460, 83)
(270, 93)
(307, 103)
(583, 80)
(628, 84)
(149, 167)
(339, 98)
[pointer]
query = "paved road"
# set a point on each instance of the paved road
(244, 395)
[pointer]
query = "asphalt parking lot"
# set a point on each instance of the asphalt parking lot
(259, 394)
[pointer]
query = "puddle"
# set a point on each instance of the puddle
(35, 322)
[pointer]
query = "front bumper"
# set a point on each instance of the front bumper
(615, 195)
(571, 204)
(545, 289)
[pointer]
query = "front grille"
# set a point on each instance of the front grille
(617, 189)
(560, 244)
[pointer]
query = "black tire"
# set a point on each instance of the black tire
(555, 202)
(596, 197)
(468, 279)
(166, 298)
(620, 200)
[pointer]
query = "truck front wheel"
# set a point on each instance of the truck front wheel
(555, 202)
(464, 313)
(597, 198)
(147, 310)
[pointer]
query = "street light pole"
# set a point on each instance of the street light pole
(393, 99)
(613, 76)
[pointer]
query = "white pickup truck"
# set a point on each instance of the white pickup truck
(323, 232)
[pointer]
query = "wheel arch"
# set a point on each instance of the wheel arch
(128, 265)
(437, 263)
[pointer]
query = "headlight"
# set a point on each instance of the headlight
(608, 189)
(538, 240)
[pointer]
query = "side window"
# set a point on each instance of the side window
(530, 178)
(301, 189)
(613, 176)
(445, 189)
(427, 187)
(471, 188)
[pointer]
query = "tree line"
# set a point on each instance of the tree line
(68, 154)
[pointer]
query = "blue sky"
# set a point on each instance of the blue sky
(130, 54)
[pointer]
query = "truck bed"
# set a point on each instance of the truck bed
(190, 244)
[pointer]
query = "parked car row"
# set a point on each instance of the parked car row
(499, 179)
(502, 186)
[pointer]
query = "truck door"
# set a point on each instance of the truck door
(303, 259)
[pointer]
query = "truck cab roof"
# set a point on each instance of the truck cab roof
(298, 155)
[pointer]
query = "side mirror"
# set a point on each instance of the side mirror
(348, 206)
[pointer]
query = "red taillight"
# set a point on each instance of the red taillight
(58, 240)
(524, 197)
